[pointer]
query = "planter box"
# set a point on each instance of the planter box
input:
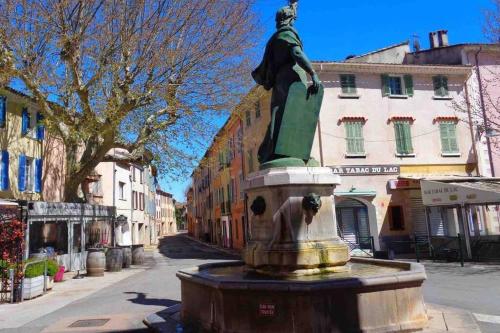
(49, 281)
(32, 287)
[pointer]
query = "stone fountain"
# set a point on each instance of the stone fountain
(296, 274)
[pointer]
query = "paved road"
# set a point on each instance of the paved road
(474, 288)
(143, 293)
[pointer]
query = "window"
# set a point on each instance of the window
(97, 188)
(233, 190)
(397, 85)
(440, 86)
(248, 117)
(134, 200)
(241, 186)
(404, 144)
(133, 173)
(121, 190)
(3, 111)
(348, 84)
(257, 109)
(448, 130)
(250, 160)
(29, 172)
(141, 176)
(354, 137)
(396, 218)
(141, 201)
(236, 227)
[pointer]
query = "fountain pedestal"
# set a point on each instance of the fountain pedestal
(292, 228)
(297, 275)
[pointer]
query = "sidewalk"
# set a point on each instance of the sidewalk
(69, 291)
(441, 320)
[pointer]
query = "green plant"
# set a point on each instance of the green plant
(37, 269)
(52, 267)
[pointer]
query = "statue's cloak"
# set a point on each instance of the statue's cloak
(265, 74)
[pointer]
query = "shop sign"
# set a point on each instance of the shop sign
(404, 184)
(267, 310)
(438, 193)
(366, 170)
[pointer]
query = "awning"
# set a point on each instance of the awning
(356, 193)
(469, 192)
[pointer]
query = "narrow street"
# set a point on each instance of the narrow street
(473, 288)
(141, 294)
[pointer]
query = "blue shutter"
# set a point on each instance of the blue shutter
(40, 128)
(38, 175)
(5, 170)
(22, 173)
(25, 122)
(3, 111)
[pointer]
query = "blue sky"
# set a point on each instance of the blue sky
(332, 30)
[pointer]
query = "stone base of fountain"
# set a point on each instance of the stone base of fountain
(375, 296)
(296, 274)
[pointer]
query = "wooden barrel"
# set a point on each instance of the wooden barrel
(127, 256)
(96, 262)
(114, 259)
(138, 254)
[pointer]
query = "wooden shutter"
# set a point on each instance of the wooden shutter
(385, 85)
(25, 122)
(38, 175)
(399, 133)
(409, 85)
(444, 85)
(22, 173)
(40, 128)
(3, 111)
(408, 145)
(445, 143)
(5, 170)
(437, 85)
(452, 135)
(354, 137)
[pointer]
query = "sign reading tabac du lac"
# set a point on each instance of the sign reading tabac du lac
(366, 170)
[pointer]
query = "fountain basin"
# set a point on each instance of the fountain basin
(373, 296)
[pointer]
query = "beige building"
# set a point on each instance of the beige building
(22, 136)
(165, 213)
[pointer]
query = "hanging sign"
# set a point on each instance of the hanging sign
(366, 170)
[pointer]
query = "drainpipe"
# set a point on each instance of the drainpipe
(113, 233)
(483, 109)
(243, 172)
(471, 128)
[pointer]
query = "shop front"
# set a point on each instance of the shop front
(67, 230)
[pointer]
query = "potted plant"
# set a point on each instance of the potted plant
(52, 269)
(33, 280)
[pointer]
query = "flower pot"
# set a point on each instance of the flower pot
(60, 274)
(32, 287)
(49, 282)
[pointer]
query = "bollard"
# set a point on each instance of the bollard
(417, 252)
(460, 251)
(11, 277)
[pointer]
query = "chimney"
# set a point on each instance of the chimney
(433, 39)
(438, 39)
(443, 38)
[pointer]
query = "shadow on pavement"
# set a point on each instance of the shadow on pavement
(141, 298)
(181, 247)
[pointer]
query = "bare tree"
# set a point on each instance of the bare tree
(492, 23)
(139, 75)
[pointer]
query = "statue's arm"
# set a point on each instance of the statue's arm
(301, 59)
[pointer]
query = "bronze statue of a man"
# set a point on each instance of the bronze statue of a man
(294, 112)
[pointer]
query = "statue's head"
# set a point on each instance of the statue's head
(286, 16)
